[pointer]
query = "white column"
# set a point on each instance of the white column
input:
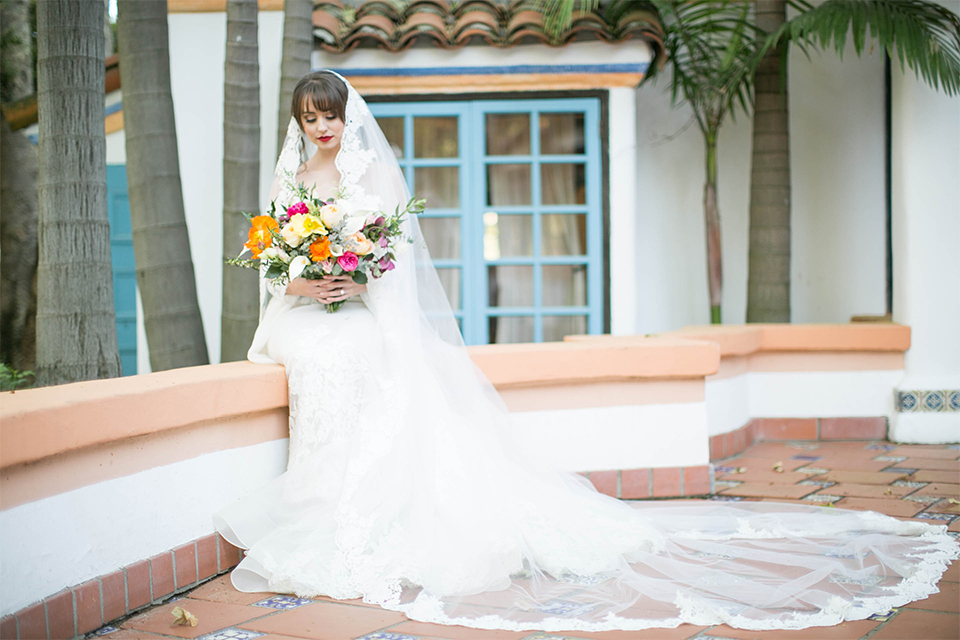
(926, 253)
(623, 210)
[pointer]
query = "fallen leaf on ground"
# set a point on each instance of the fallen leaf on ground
(741, 470)
(183, 618)
(778, 467)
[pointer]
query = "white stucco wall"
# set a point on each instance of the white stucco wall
(838, 226)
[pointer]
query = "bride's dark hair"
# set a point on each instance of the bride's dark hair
(324, 91)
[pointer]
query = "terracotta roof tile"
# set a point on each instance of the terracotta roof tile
(392, 26)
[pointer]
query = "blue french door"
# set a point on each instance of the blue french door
(124, 269)
(514, 218)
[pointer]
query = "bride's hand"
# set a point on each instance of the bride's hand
(330, 289)
(338, 288)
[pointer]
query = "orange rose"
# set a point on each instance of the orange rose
(260, 236)
(320, 249)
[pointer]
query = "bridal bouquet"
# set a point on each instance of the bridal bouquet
(313, 238)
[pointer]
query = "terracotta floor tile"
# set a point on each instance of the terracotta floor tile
(682, 632)
(752, 462)
(900, 508)
(220, 590)
(931, 464)
(954, 526)
(357, 603)
(133, 634)
(777, 450)
(911, 624)
(326, 621)
(212, 616)
(947, 600)
(764, 490)
(852, 630)
(859, 477)
(945, 506)
(869, 491)
(940, 489)
(942, 454)
(412, 627)
(952, 574)
(927, 475)
(852, 463)
(765, 476)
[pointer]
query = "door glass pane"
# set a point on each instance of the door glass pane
(564, 234)
(510, 286)
(439, 185)
(561, 133)
(442, 236)
(508, 134)
(507, 236)
(563, 183)
(450, 279)
(508, 184)
(435, 137)
(565, 285)
(556, 327)
(510, 329)
(393, 130)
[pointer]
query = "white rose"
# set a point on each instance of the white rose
(290, 235)
(297, 265)
(283, 255)
(331, 215)
(270, 253)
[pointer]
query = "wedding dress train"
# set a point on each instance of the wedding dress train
(404, 486)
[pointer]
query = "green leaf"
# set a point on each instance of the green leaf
(273, 271)
(359, 277)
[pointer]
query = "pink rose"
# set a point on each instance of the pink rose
(297, 209)
(348, 261)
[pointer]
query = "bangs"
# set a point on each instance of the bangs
(320, 92)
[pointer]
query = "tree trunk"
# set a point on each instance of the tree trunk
(241, 176)
(164, 269)
(18, 199)
(712, 218)
(76, 327)
(295, 62)
(768, 279)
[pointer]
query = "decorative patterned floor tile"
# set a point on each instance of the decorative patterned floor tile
(902, 471)
(102, 631)
(283, 602)
(909, 483)
(232, 633)
(726, 498)
(808, 458)
(566, 608)
(822, 497)
(386, 635)
(812, 470)
(942, 517)
(891, 458)
(883, 617)
(817, 483)
(726, 484)
(922, 499)
(724, 469)
(881, 447)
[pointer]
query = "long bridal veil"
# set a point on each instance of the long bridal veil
(414, 496)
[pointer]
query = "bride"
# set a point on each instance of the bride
(404, 486)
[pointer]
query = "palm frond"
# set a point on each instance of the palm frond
(922, 35)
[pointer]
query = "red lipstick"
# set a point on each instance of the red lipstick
(325, 138)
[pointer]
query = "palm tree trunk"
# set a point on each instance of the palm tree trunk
(712, 218)
(295, 62)
(76, 327)
(18, 199)
(768, 279)
(164, 269)
(241, 175)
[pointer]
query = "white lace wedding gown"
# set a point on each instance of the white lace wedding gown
(404, 488)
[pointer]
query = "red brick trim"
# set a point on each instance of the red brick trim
(88, 606)
(725, 445)
(663, 482)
